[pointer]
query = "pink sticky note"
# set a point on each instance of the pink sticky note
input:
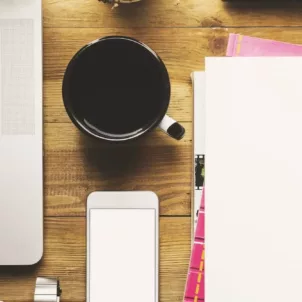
(197, 255)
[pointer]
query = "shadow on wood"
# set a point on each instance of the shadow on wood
(118, 164)
(19, 271)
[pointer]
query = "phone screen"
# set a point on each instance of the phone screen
(122, 255)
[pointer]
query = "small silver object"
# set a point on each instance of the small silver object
(47, 290)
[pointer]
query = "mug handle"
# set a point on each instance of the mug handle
(172, 128)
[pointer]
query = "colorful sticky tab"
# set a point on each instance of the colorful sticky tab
(194, 291)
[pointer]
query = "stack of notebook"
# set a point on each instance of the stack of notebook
(247, 125)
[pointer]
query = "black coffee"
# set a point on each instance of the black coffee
(116, 87)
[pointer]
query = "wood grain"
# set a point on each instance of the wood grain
(76, 166)
(61, 44)
(65, 256)
(182, 49)
(172, 13)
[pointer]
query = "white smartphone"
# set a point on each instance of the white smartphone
(122, 247)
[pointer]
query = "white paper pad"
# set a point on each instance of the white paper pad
(253, 180)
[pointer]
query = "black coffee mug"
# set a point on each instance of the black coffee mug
(117, 89)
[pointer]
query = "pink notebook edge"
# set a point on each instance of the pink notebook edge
(237, 46)
(200, 295)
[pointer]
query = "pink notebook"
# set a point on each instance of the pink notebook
(240, 46)
(195, 280)
(244, 46)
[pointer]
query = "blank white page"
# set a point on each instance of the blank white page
(122, 260)
(253, 180)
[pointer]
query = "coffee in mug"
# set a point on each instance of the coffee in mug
(118, 89)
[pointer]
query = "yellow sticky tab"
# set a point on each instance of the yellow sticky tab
(199, 278)
(201, 266)
(202, 255)
(195, 299)
(197, 289)
(240, 37)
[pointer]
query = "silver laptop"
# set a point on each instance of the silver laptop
(21, 155)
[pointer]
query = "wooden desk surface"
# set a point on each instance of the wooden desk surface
(75, 165)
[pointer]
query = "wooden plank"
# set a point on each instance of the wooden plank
(65, 136)
(65, 257)
(76, 165)
(172, 13)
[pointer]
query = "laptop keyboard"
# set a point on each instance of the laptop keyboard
(17, 112)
